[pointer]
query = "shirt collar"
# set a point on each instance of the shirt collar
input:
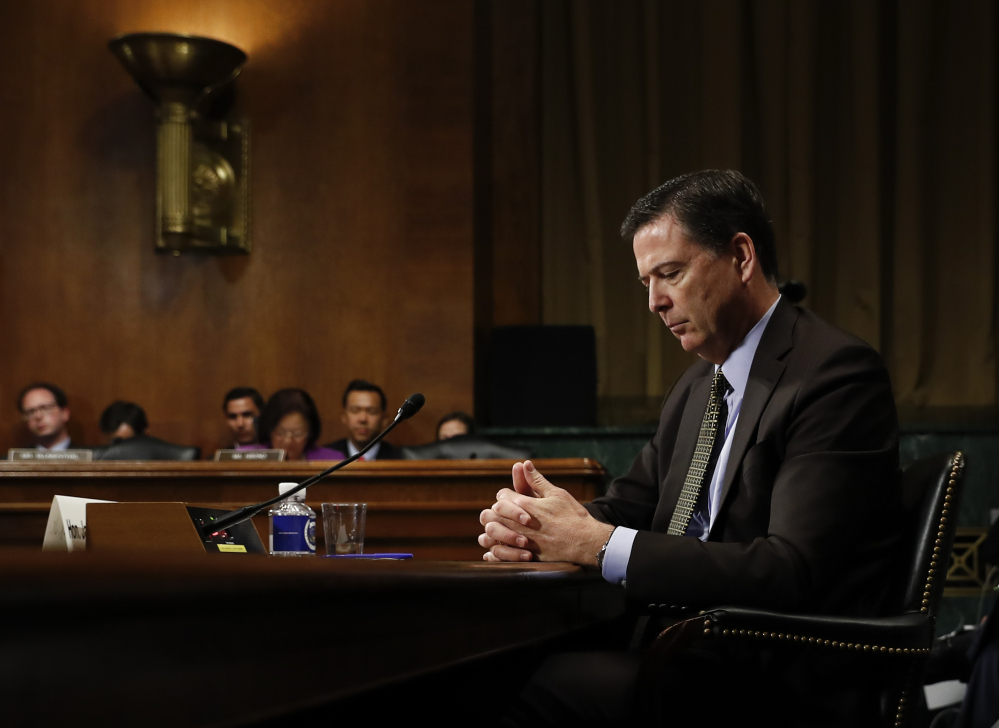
(740, 361)
(371, 454)
(63, 444)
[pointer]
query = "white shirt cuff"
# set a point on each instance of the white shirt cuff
(617, 555)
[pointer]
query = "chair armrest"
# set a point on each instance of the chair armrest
(910, 633)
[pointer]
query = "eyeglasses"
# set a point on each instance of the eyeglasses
(290, 434)
(42, 409)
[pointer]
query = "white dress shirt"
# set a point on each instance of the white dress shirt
(63, 444)
(371, 454)
(736, 369)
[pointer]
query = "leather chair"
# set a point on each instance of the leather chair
(146, 447)
(891, 651)
(464, 447)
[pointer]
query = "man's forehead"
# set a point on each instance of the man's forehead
(662, 241)
(364, 398)
(39, 396)
(240, 404)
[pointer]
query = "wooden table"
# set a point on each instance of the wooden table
(426, 507)
(229, 640)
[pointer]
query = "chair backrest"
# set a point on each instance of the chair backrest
(464, 447)
(931, 491)
(146, 447)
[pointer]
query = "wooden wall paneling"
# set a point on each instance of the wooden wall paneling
(507, 141)
(516, 153)
(362, 180)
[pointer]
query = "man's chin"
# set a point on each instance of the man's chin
(690, 343)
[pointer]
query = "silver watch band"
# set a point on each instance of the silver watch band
(603, 551)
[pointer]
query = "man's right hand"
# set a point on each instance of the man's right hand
(499, 550)
(539, 520)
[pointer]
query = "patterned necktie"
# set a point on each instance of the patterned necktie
(703, 463)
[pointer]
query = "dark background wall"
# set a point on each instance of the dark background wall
(362, 169)
(424, 172)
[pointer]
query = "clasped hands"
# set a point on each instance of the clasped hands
(537, 520)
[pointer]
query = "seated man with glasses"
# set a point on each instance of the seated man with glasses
(45, 411)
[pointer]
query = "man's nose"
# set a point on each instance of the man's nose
(658, 300)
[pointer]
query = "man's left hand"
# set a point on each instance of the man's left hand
(543, 519)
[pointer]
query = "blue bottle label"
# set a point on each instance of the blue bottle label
(294, 533)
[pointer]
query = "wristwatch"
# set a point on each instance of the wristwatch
(603, 551)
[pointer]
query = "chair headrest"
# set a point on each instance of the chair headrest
(146, 447)
(464, 447)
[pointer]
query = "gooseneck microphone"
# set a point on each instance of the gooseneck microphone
(409, 408)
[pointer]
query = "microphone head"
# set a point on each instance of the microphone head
(411, 406)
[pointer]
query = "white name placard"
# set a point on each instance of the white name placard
(67, 526)
(48, 456)
(249, 456)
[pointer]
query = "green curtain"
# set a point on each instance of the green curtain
(869, 126)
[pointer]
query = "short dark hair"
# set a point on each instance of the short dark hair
(286, 401)
(363, 385)
(240, 393)
(712, 206)
(120, 413)
(462, 417)
(60, 396)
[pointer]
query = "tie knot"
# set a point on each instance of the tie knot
(719, 385)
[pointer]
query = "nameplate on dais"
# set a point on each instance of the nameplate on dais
(249, 456)
(47, 456)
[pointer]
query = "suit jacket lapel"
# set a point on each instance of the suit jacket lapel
(683, 451)
(763, 377)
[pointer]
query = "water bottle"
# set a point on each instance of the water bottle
(293, 525)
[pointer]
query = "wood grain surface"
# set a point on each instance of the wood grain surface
(205, 641)
(362, 173)
(426, 507)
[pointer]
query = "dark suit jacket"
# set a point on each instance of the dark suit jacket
(387, 451)
(808, 514)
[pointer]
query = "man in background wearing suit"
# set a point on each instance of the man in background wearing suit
(45, 411)
(364, 417)
(772, 480)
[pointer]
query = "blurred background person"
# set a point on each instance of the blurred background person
(454, 424)
(290, 422)
(364, 417)
(242, 407)
(125, 425)
(122, 420)
(45, 411)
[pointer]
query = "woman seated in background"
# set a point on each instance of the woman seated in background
(453, 424)
(122, 420)
(290, 422)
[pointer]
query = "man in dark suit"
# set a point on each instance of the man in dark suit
(364, 417)
(772, 479)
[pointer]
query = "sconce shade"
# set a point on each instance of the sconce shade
(174, 68)
(202, 158)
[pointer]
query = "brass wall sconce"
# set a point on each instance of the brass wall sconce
(202, 161)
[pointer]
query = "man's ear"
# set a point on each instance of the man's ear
(744, 251)
(343, 418)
